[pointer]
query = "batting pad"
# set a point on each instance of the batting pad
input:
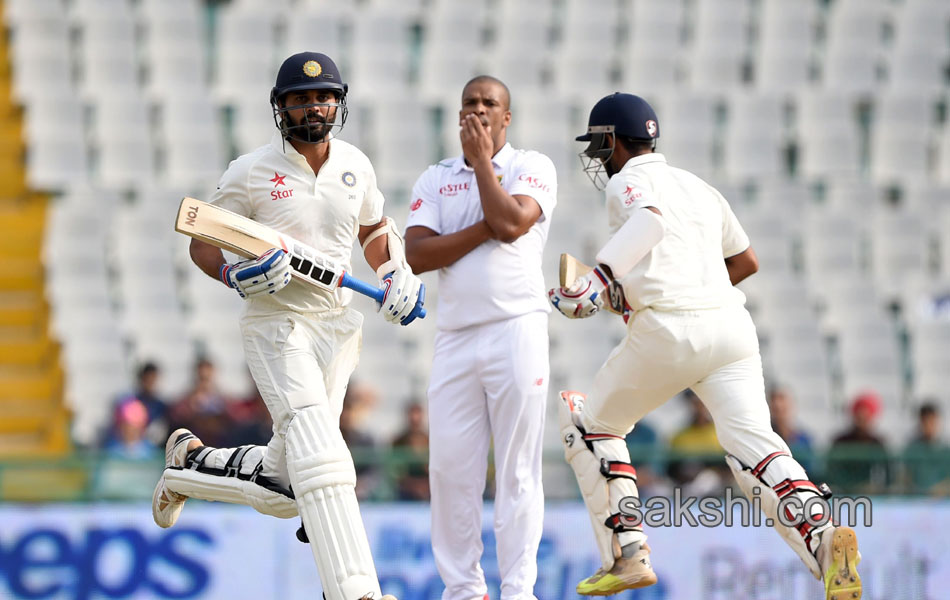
(602, 496)
(324, 483)
(753, 487)
(231, 475)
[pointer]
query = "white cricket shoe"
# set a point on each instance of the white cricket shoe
(838, 557)
(166, 504)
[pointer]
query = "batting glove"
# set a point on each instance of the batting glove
(403, 289)
(584, 298)
(267, 274)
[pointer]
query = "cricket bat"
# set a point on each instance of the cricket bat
(248, 238)
(570, 269)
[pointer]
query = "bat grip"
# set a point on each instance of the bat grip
(377, 294)
(362, 287)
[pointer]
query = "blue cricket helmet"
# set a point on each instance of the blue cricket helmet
(625, 115)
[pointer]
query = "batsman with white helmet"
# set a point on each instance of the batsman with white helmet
(301, 343)
(677, 250)
(482, 219)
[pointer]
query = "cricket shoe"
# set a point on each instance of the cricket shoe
(628, 573)
(838, 556)
(166, 504)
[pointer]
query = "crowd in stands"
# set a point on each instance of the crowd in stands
(857, 461)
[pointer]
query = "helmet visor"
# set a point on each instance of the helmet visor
(311, 125)
(598, 152)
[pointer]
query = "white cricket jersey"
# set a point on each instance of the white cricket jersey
(275, 186)
(496, 280)
(686, 270)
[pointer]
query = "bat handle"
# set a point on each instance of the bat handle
(358, 285)
(377, 294)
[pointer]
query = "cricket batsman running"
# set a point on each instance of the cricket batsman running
(677, 250)
(301, 343)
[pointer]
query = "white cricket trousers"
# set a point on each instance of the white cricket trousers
(714, 352)
(298, 362)
(301, 365)
(489, 382)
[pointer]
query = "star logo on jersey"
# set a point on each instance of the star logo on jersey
(631, 195)
(278, 179)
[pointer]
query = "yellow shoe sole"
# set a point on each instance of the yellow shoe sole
(608, 585)
(842, 581)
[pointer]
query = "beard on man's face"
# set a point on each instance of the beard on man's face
(311, 127)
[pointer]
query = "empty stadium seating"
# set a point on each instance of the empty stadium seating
(824, 122)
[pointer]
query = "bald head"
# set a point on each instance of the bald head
(503, 94)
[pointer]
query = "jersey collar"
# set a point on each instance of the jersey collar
(284, 147)
(643, 159)
(500, 159)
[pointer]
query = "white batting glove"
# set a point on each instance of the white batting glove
(264, 275)
(584, 298)
(402, 291)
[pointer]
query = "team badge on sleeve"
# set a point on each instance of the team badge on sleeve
(349, 179)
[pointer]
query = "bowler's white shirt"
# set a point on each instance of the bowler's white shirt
(275, 186)
(686, 270)
(496, 280)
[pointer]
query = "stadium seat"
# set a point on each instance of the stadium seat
(718, 54)
(783, 58)
(755, 138)
(828, 135)
(379, 60)
(106, 72)
(832, 243)
(900, 247)
(319, 29)
(688, 129)
(245, 60)
(252, 122)
(398, 164)
(900, 138)
(930, 347)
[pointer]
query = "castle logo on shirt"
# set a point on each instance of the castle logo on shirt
(453, 189)
(534, 182)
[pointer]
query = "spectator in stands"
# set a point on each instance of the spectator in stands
(696, 448)
(927, 456)
(782, 408)
(358, 403)
(146, 392)
(130, 441)
(204, 408)
(649, 452)
(250, 421)
(412, 479)
(858, 458)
